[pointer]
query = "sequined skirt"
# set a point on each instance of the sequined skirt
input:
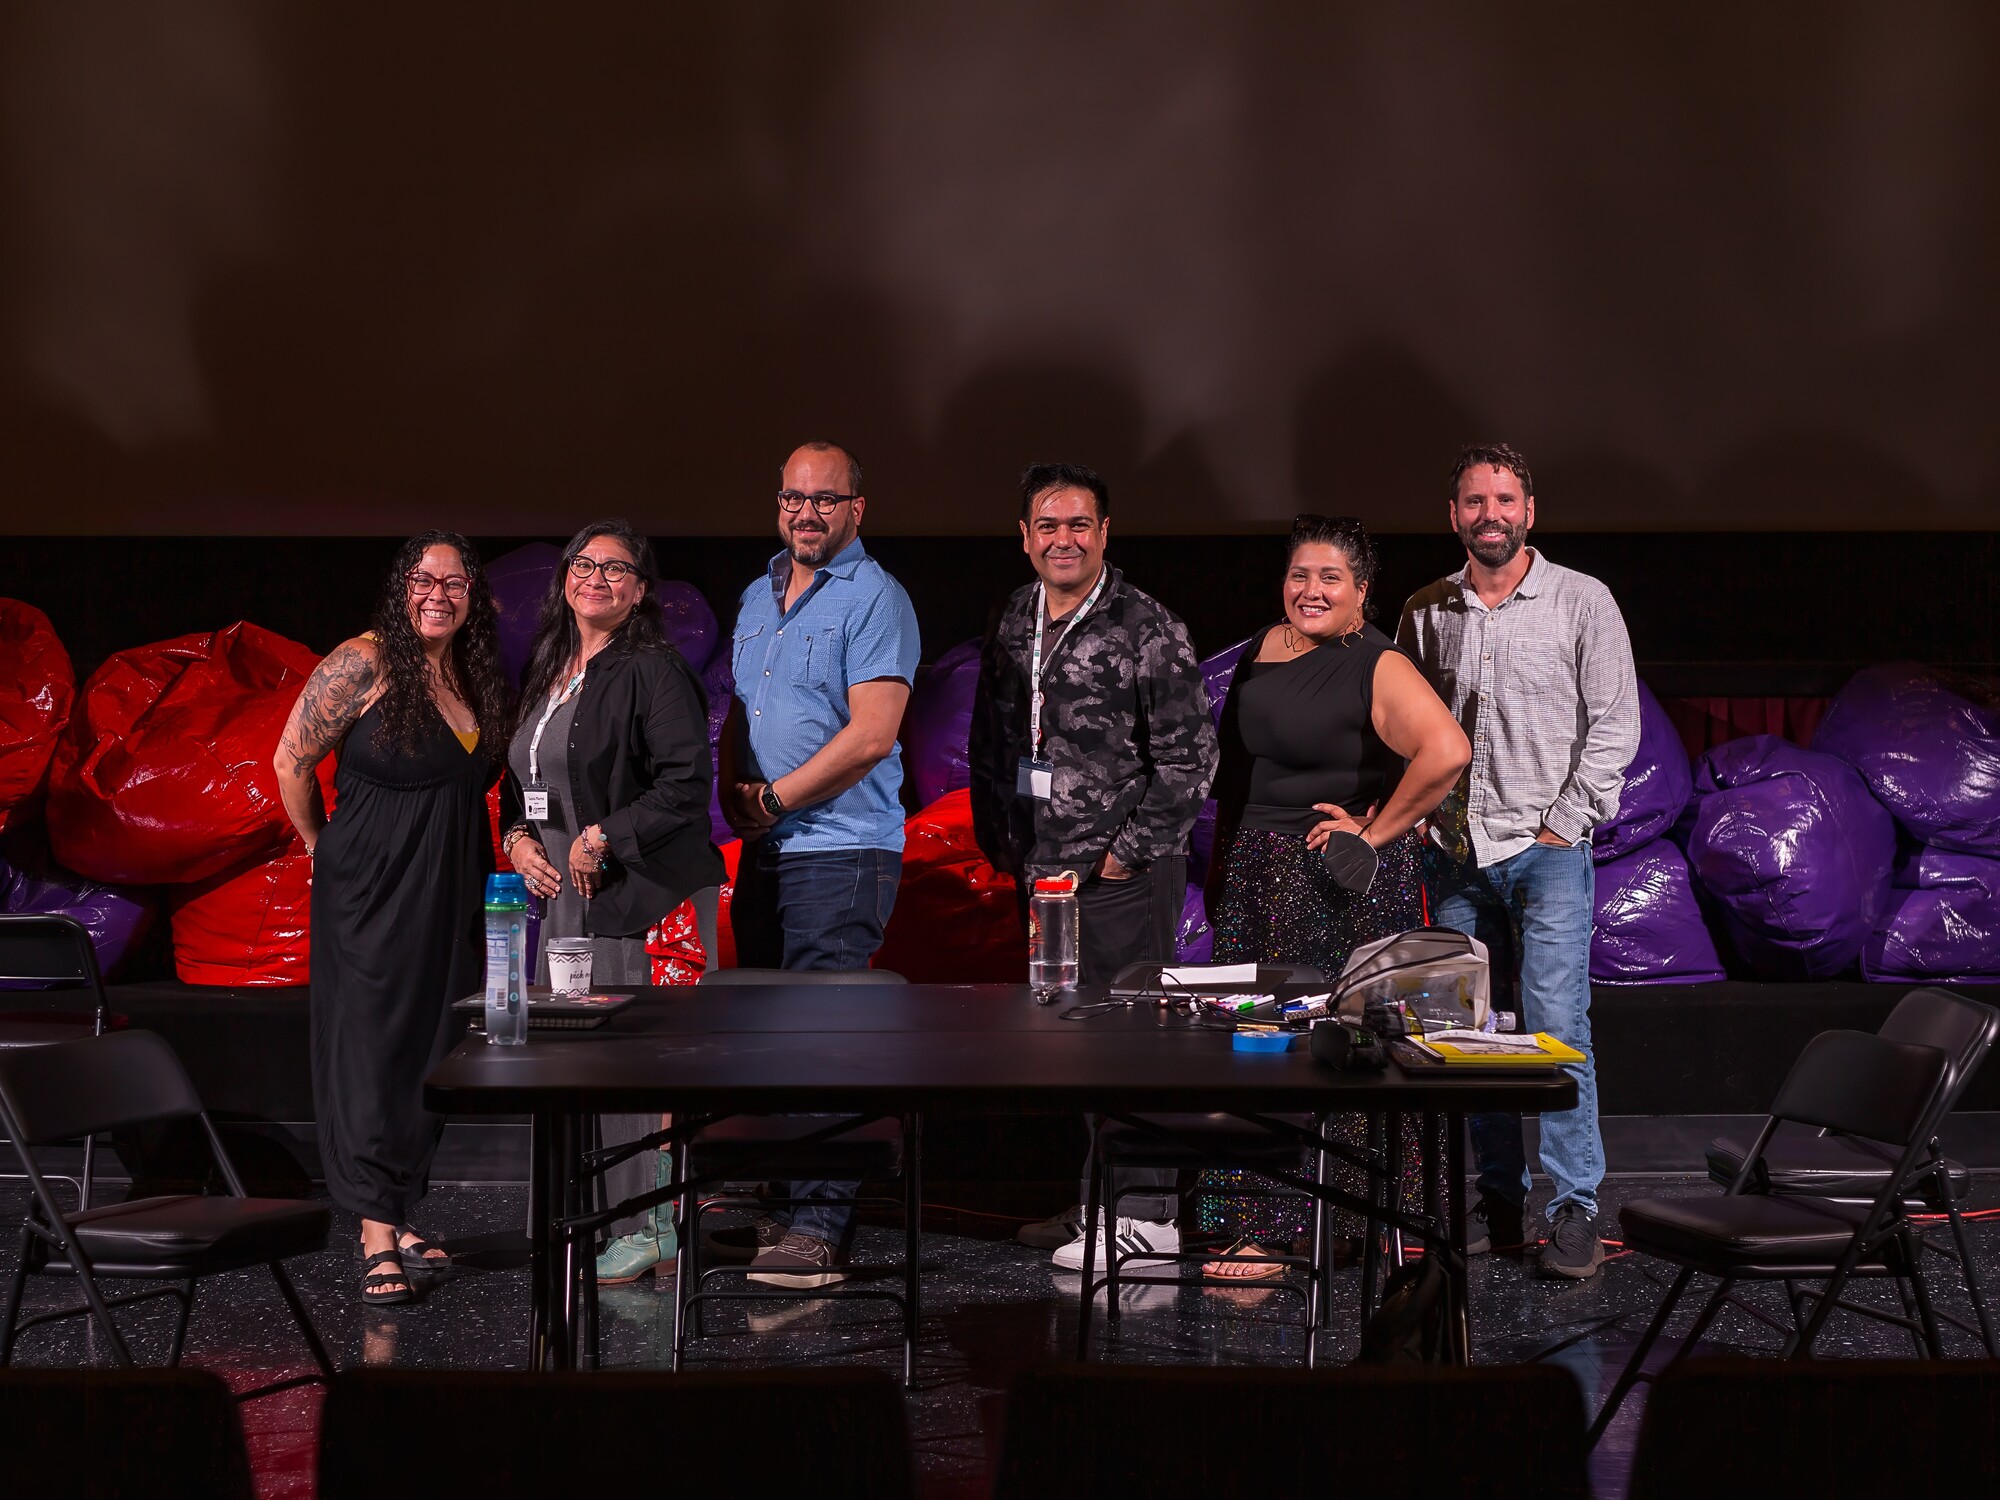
(1278, 905)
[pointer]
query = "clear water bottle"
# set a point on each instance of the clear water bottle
(506, 957)
(1055, 937)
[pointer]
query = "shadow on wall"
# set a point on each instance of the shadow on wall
(1376, 434)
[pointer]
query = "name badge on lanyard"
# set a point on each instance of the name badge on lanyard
(536, 794)
(1035, 777)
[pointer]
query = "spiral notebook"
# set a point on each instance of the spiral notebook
(1484, 1049)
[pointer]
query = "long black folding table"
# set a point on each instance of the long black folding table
(706, 1053)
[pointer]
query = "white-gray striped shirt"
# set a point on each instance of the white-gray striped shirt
(1544, 687)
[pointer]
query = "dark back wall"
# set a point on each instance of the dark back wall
(1724, 613)
(340, 267)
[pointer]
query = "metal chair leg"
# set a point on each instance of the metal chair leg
(1702, 1320)
(1921, 1293)
(298, 1310)
(14, 1290)
(1636, 1365)
(1319, 1291)
(593, 1352)
(99, 1309)
(186, 1300)
(913, 1223)
(1092, 1211)
(687, 1222)
(1372, 1232)
(83, 1185)
(1111, 1255)
(1967, 1266)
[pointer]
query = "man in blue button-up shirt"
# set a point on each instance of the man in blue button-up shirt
(824, 652)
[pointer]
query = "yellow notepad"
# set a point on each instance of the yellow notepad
(1547, 1052)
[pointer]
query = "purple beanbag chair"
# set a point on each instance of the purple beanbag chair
(1657, 786)
(1215, 674)
(520, 581)
(1794, 851)
(1942, 921)
(1201, 843)
(1929, 754)
(115, 916)
(1649, 927)
(690, 622)
(718, 683)
(939, 723)
(1194, 939)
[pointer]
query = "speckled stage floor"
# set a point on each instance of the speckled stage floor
(992, 1308)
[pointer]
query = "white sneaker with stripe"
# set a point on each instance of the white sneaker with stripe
(1141, 1237)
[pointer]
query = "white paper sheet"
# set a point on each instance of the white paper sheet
(1207, 976)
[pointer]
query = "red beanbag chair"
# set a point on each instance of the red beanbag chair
(955, 920)
(725, 935)
(36, 689)
(246, 926)
(164, 774)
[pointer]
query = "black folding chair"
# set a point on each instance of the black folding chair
(792, 1148)
(105, 1083)
(479, 1435)
(164, 1434)
(1080, 1432)
(47, 949)
(1846, 1081)
(1722, 1428)
(1848, 1170)
(739, 1148)
(1191, 1142)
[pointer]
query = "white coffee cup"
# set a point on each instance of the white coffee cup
(569, 966)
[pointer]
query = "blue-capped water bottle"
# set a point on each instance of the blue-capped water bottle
(506, 954)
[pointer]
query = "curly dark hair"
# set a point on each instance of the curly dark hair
(556, 638)
(1500, 456)
(1346, 535)
(471, 665)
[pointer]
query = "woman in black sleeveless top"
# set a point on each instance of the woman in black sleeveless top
(416, 712)
(1327, 727)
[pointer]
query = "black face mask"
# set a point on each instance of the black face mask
(1351, 861)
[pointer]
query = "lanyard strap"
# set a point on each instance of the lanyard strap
(535, 744)
(1037, 662)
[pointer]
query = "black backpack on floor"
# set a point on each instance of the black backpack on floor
(1409, 1327)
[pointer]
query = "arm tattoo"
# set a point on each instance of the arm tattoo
(331, 701)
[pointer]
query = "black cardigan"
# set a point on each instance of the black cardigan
(639, 768)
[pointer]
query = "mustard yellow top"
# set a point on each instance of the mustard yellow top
(468, 738)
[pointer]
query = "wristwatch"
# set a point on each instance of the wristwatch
(769, 798)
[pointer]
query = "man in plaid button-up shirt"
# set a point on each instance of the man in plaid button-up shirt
(1534, 661)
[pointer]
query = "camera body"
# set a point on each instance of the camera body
(1347, 1048)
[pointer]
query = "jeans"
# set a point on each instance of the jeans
(1537, 905)
(814, 909)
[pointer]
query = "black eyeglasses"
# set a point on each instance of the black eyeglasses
(455, 587)
(614, 571)
(791, 502)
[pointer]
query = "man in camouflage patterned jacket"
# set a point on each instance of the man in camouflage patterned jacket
(1106, 779)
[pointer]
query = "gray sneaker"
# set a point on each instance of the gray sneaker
(1494, 1226)
(1055, 1232)
(1573, 1249)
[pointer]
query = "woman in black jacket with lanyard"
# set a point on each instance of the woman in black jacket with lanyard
(608, 784)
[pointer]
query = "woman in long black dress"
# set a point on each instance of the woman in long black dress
(416, 713)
